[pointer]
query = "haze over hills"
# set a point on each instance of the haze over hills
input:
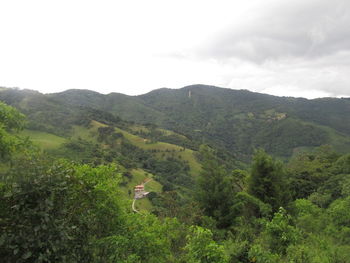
(236, 120)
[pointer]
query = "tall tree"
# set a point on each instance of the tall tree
(201, 248)
(216, 189)
(268, 181)
(11, 120)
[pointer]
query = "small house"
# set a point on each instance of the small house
(140, 191)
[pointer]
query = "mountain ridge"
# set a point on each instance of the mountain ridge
(236, 120)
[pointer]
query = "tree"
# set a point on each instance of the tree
(216, 189)
(11, 121)
(201, 248)
(308, 171)
(280, 233)
(268, 181)
(57, 213)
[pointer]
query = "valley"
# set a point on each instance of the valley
(235, 176)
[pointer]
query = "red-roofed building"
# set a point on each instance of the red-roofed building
(139, 188)
(140, 191)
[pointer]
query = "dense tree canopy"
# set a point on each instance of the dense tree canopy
(268, 181)
(73, 203)
(10, 121)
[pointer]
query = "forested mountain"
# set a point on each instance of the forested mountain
(243, 120)
(69, 163)
(238, 121)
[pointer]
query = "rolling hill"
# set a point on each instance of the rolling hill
(237, 121)
(168, 165)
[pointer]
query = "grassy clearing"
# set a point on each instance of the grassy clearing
(82, 132)
(139, 176)
(161, 147)
(95, 125)
(165, 150)
(146, 145)
(186, 155)
(167, 133)
(143, 205)
(140, 128)
(195, 166)
(89, 134)
(44, 140)
(48, 141)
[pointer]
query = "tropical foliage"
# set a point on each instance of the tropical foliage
(69, 203)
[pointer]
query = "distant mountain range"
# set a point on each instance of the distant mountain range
(235, 120)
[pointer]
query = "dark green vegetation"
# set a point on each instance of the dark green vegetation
(65, 195)
(236, 121)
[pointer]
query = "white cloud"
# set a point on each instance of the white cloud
(292, 77)
(133, 47)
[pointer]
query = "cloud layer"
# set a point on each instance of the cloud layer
(292, 48)
(308, 29)
(288, 48)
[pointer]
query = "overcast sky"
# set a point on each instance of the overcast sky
(297, 48)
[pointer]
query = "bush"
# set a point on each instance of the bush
(55, 214)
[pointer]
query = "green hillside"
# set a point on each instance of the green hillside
(140, 176)
(164, 150)
(73, 200)
(237, 121)
(44, 140)
(47, 142)
(241, 120)
(90, 144)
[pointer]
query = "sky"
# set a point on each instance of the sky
(298, 48)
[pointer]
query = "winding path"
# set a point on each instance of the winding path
(133, 206)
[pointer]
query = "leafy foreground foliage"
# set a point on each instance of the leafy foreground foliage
(47, 213)
(256, 226)
(202, 248)
(74, 213)
(66, 212)
(10, 120)
(60, 211)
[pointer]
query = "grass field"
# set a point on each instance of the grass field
(143, 205)
(44, 140)
(165, 149)
(140, 128)
(47, 141)
(88, 134)
(139, 176)
(162, 150)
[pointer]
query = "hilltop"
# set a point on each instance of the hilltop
(78, 172)
(237, 121)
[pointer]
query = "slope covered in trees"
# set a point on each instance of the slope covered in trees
(243, 120)
(235, 120)
(73, 210)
